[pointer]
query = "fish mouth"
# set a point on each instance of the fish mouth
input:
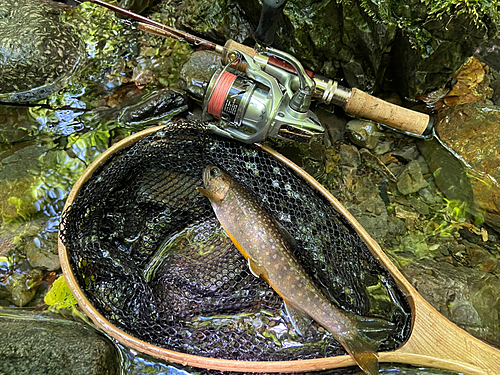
(206, 174)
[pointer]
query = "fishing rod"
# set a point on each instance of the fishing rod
(274, 97)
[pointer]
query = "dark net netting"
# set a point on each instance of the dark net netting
(150, 255)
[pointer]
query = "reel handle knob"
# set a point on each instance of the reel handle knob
(269, 17)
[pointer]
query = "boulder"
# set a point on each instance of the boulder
(408, 46)
(471, 131)
(468, 297)
(38, 52)
(43, 343)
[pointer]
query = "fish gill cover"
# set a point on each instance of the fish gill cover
(150, 255)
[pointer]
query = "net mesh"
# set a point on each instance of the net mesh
(150, 255)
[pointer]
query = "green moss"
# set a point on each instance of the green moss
(419, 18)
(474, 10)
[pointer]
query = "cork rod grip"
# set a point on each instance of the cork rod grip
(364, 105)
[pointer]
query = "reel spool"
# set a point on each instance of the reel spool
(238, 101)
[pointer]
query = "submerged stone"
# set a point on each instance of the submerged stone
(42, 343)
(22, 286)
(468, 297)
(411, 180)
(38, 52)
(43, 253)
(470, 132)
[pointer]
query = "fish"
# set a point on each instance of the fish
(260, 240)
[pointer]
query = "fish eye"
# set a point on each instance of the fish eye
(215, 172)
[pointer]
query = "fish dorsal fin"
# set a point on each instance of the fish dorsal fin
(300, 321)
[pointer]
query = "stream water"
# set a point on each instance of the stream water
(46, 146)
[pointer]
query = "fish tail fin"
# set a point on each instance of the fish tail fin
(363, 345)
(363, 352)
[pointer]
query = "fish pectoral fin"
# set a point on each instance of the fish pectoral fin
(256, 269)
(206, 193)
(299, 320)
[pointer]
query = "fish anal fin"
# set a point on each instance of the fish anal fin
(256, 269)
(300, 321)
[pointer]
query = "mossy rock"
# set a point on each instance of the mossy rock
(409, 46)
(38, 52)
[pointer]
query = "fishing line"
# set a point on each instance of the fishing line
(218, 98)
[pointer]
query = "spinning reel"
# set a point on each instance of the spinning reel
(260, 104)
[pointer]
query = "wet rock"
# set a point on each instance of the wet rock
(449, 174)
(421, 60)
(423, 165)
(22, 286)
(43, 343)
(335, 124)
(428, 194)
(411, 180)
(136, 6)
(349, 155)
(160, 106)
(43, 253)
(396, 226)
(481, 258)
(419, 205)
(471, 132)
(196, 72)
(38, 52)
(383, 147)
(370, 210)
(364, 133)
(218, 20)
(413, 45)
(408, 153)
(489, 53)
(468, 297)
(405, 213)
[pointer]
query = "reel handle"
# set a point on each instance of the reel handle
(269, 17)
(365, 105)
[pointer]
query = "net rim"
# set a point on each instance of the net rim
(400, 355)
